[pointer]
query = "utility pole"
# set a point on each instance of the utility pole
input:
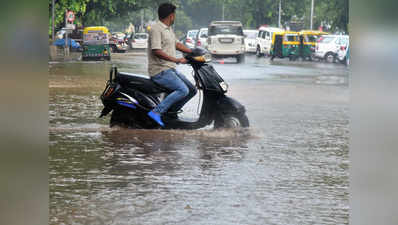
(312, 13)
(223, 10)
(142, 20)
(53, 26)
(66, 49)
(280, 10)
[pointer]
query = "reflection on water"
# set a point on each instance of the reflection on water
(290, 167)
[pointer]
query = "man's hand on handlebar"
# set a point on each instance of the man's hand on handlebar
(182, 61)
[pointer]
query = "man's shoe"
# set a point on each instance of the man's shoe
(173, 114)
(156, 117)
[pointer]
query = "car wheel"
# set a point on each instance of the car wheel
(240, 58)
(330, 57)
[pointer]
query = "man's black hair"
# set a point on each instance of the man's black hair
(166, 9)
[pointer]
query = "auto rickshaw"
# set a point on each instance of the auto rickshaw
(284, 44)
(308, 40)
(96, 43)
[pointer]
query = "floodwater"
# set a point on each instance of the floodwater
(289, 167)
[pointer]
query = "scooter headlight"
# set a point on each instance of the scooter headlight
(203, 58)
(224, 86)
(207, 57)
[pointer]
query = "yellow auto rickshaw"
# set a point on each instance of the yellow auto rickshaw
(308, 40)
(284, 44)
(96, 43)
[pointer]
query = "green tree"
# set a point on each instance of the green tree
(78, 6)
(334, 13)
(199, 13)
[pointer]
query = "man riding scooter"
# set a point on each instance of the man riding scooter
(162, 62)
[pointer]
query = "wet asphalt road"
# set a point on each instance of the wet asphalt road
(289, 167)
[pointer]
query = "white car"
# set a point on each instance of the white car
(264, 40)
(201, 38)
(250, 40)
(190, 38)
(328, 45)
(139, 41)
(226, 40)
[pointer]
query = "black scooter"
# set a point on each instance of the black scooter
(132, 96)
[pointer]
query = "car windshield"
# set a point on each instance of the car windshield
(203, 34)
(344, 41)
(250, 35)
(236, 30)
(141, 36)
(192, 33)
(311, 38)
(326, 40)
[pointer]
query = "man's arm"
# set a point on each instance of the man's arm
(161, 54)
(156, 46)
(183, 48)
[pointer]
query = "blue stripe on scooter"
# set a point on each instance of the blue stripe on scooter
(126, 104)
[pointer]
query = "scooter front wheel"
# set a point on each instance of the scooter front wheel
(231, 121)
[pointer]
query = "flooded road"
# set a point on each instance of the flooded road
(289, 167)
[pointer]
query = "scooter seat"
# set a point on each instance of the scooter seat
(140, 82)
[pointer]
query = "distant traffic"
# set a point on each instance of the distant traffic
(225, 39)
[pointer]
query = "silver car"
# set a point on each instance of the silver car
(226, 39)
(201, 38)
(190, 38)
(250, 40)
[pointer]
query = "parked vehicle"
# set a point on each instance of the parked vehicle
(226, 39)
(264, 40)
(131, 96)
(75, 39)
(139, 41)
(60, 34)
(326, 48)
(96, 43)
(201, 38)
(285, 44)
(308, 40)
(189, 40)
(117, 42)
(343, 53)
(77, 35)
(73, 45)
(250, 40)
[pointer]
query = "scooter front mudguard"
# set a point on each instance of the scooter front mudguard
(228, 105)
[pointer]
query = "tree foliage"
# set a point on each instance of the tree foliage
(199, 13)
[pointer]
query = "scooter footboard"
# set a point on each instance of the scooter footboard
(229, 105)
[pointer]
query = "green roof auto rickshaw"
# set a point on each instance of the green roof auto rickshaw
(96, 43)
(307, 39)
(284, 44)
